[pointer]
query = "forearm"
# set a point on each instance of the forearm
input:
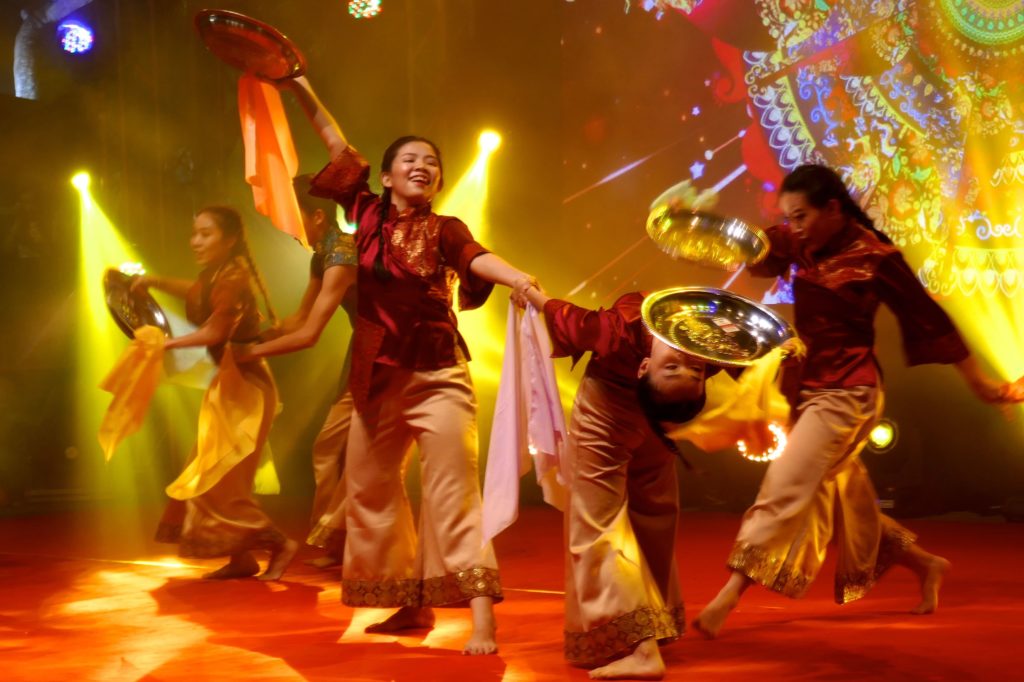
(495, 269)
(300, 339)
(207, 335)
(170, 285)
(537, 297)
(324, 124)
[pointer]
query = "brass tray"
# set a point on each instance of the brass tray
(249, 45)
(131, 309)
(718, 326)
(706, 238)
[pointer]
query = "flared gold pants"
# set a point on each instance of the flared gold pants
(387, 563)
(328, 517)
(816, 491)
(621, 583)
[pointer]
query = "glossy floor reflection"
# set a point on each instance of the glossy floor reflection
(85, 597)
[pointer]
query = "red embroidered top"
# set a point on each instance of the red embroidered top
(616, 337)
(406, 321)
(836, 298)
(225, 291)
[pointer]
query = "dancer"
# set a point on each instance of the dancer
(818, 488)
(221, 517)
(410, 383)
(622, 593)
(332, 276)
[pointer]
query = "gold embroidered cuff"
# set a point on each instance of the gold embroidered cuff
(767, 569)
(207, 548)
(851, 586)
(619, 636)
(446, 590)
(462, 586)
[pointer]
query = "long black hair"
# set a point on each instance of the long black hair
(821, 184)
(385, 197)
(230, 223)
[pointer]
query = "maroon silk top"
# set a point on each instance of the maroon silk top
(226, 292)
(616, 337)
(406, 321)
(837, 293)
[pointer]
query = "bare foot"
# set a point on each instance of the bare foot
(710, 621)
(241, 566)
(279, 561)
(483, 640)
(935, 570)
(643, 664)
(405, 618)
(324, 562)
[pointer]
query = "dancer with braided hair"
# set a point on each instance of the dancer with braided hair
(221, 517)
(410, 383)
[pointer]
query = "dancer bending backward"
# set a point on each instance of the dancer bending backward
(818, 488)
(225, 519)
(410, 382)
(332, 277)
(622, 593)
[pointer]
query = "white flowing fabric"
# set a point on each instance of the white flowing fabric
(528, 426)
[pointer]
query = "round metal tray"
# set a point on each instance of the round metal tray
(129, 309)
(719, 326)
(706, 238)
(249, 44)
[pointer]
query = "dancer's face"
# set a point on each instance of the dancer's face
(674, 375)
(812, 225)
(414, 176)
(208, 242)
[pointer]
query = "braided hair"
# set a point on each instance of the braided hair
(385, 197)
(230, 223)
(820, 184)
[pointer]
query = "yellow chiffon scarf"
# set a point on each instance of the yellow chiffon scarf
(132, 381)
(739, 409)
(229, 418)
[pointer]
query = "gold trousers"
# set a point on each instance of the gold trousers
(816, 490)
(328, 518)
(387, 563)
(226, 519)
(620, 526)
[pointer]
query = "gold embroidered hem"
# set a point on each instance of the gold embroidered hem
(854, 585)
(381, 593)
(267, 538)
(767, 569)
(619, 636)
(446, 590)
(330, 539)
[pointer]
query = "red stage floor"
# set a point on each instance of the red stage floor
(83, 598)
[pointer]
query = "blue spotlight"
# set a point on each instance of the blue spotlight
(75, 37)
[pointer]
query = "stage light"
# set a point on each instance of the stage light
(775, 449)
(80, 181)
(364, 9)
(883, 437)
(489, 141)
(75, 37)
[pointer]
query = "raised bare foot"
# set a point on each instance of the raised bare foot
(710, 621)
(405, 618)
(935, 570)
(279, 560)
(483, 640)
(324, 562)
(241, 566)
(643, 664)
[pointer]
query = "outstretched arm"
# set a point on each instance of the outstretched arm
(324, 124)
(168, 285)
(336, 282)
(495, 269)
(987, 388)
